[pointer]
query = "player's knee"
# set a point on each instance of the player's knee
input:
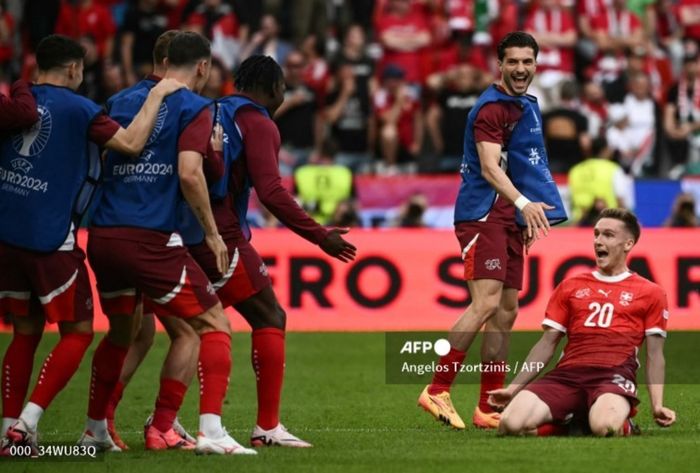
(213, 320)
(605, 427)
(144, 338)
(485, 310)
(511, 424)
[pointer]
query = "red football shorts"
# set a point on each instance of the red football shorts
(571, 391)
(491, 251)
(58, 281)
(246, 276)
(149, 265)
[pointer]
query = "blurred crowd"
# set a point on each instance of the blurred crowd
(384, 86)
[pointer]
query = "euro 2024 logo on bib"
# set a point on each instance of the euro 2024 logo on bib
(31, 142)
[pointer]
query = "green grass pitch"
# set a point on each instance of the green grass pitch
(336, 396)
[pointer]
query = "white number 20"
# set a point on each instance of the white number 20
(603, 314)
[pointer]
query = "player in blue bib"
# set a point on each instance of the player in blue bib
(506, 200)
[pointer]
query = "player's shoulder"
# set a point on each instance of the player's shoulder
(499, 111)
(647, 286)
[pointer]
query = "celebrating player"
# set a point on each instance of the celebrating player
(180, 362)
(134, 250)
(48, 174)
(606, 316)
(251, 150)
(504, 167)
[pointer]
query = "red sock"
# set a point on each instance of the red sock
(267, 355)
(170, 397)
(59, 367)
(551, 430)
(213, 370)
(492, 377)
(16, 372)
(443, 378)
(114, 399)
(107, 365)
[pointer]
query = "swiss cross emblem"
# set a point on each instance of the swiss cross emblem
(626, 298)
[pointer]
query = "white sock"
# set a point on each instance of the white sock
(97, 427)
(6, 423)
(210, 426)
(31, 414)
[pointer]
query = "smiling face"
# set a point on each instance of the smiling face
(612, 241)
(517, 69)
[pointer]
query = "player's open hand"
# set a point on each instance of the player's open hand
(664, 416)
(535, 219)
(218, 247)
(217, 138)
(499, 398)
(335, 246)
(166, 87)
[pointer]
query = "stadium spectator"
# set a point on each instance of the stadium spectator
(354, 52)
(144, 22)
(251, 158)
(599, 178)
(595, 107)
(399, 122)
(615, 31)
(316, 73)
(220, 81)
(683, 214)
(300, 124)
(504, 119)
(669, 33)
(566, 131)
(86, 18)
(348, 114)
(40, 258)
(682, 117)
(689, 18)
(266, 41)
(322, 185)
(644, 115)
(411, 212)
(36, 27)
(554, 28)
(403, 30)
(217, 20)
(446, 117)
(638, 61)
(308, 18)
(606, 322)
(346, 215)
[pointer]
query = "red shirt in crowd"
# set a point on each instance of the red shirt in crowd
(93, 20)
(555, 21)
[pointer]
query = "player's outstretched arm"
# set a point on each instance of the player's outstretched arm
(533, 212)
(656, 371)
(131, 140)
(194, 189)
(540, 355)
(334, 245)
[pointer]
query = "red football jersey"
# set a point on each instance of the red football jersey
(606, 318)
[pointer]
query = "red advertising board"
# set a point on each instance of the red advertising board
(412, 279)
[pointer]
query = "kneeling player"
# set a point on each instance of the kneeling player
(606, 315)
